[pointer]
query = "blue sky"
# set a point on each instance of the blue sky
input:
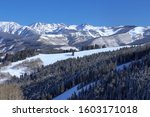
(95, 12)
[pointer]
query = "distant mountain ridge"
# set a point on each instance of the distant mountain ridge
(14, 37)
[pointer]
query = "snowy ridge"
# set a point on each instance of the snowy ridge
(136, 32)
(43, 28)
(9, 27)
(76, 36)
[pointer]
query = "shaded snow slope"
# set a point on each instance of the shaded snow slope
(125, 65)
(67, 94)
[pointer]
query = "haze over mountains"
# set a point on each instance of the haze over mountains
(14, 37)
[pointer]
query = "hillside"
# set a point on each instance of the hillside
(27, 65)
(119, 74)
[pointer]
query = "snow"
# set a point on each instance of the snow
(121, 67)
(67, 48)
(11, 47)
(71, 27)
(67, 94)
(4, 49)
(70, 35)
(26, 31)
(92, 35)
(3, 80)
(125, 65)
(103, 30)
(14, 72)
(106, 32)
(137, 31)
(9, 27)
(2, 57)
(52, 58)
(52, 35)
(43, 28)
(48, 59)
(1, 40)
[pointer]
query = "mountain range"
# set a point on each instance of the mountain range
(14, 37)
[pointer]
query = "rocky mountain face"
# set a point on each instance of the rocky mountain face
(15, 37)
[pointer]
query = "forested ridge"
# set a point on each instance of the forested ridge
(132, 82)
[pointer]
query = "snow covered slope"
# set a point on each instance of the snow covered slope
(9, 27)
(43, 35)
(67, 94)
(20, 67)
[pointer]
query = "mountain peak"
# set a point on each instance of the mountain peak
(10, 27)
(36, 24)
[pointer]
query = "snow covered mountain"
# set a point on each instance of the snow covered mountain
(9, 27)
(14, 37)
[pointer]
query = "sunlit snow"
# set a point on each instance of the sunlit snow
(52, 58)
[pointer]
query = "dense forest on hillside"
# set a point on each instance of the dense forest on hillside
(100, 71)
(109, 83)
(133, 82)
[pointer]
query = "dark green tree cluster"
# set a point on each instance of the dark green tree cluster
(20, 55)
(131, 83)
(89, 47)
